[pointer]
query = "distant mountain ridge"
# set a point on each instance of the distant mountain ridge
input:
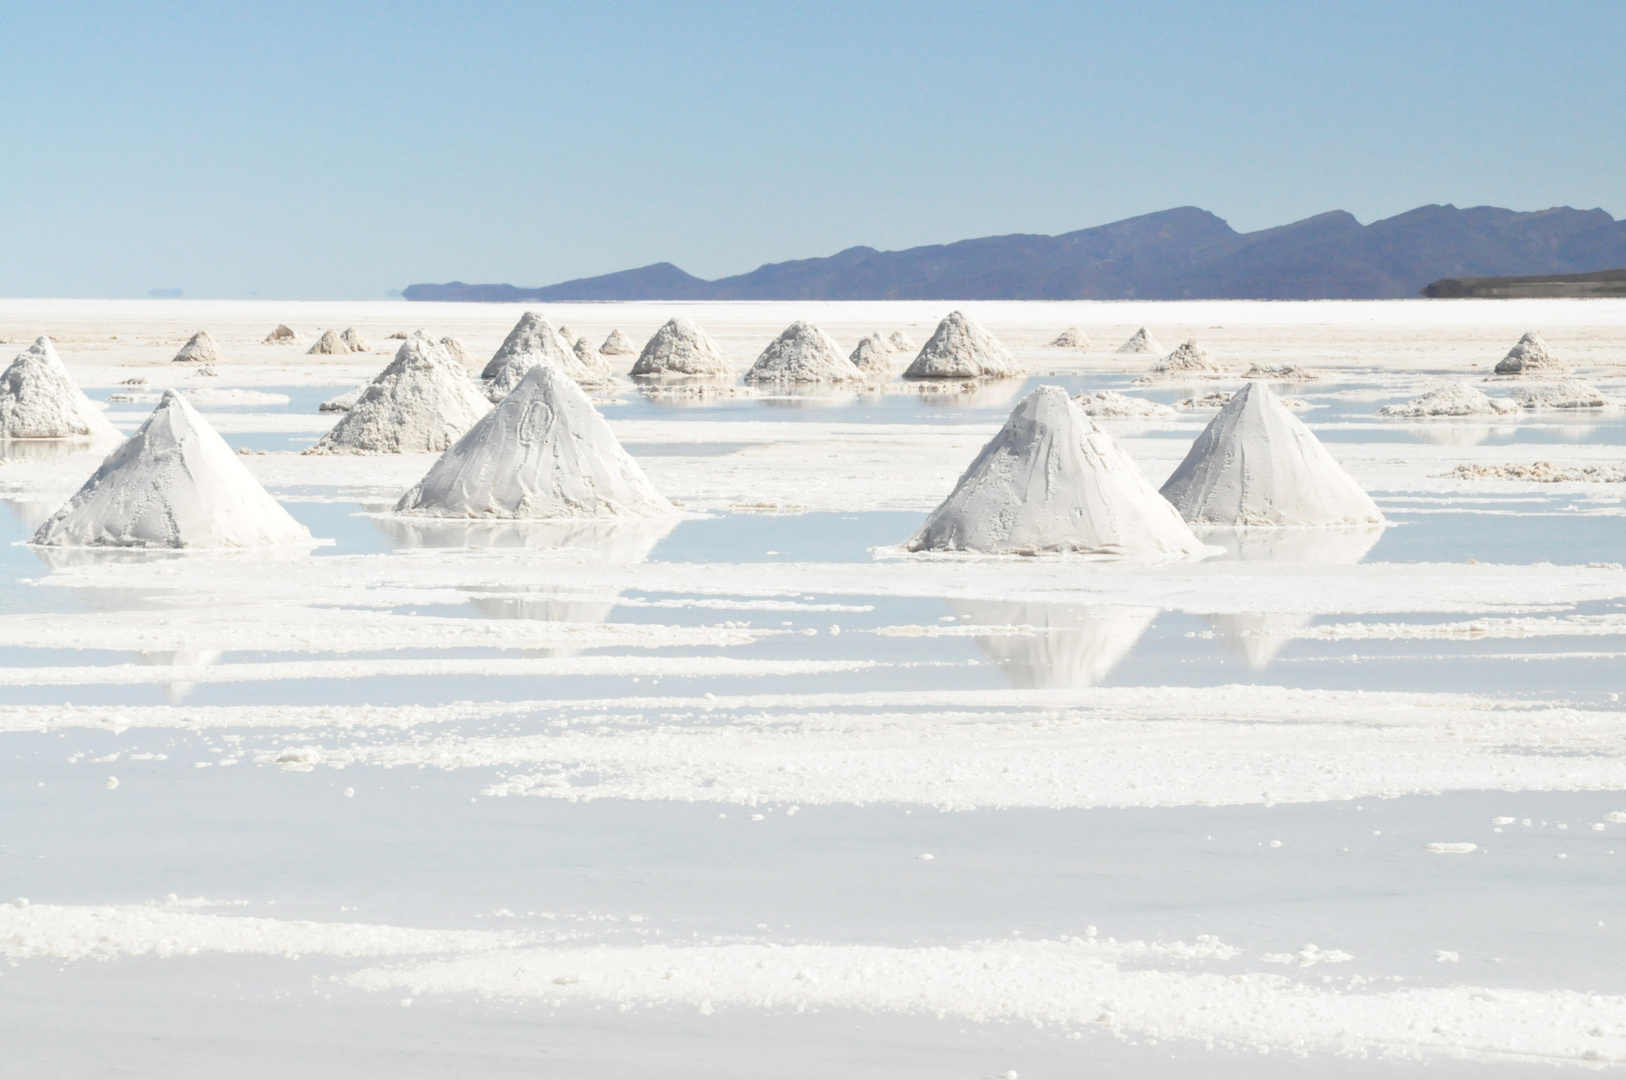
(1179, 254)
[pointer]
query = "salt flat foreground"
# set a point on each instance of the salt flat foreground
(753, 792)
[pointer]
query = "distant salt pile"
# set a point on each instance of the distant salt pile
(961, 349)
(617, 344)
(802, 354)
(587, 354)
(680, 347)
(532, 334)
(399, 335)
(1530, 357)
(421, 402)
(1141, 341)
(901, 342)
(1218, 399)
(283, 335)
(1071, 338)
(1543, 472)
(40, 400)
(1111, 404)
(329, 344)
(543, 452)
(345, 401)
(1189, 360)
(1279, 373)
(1051, 480)
(532, 341)
(201, 349)
(1256, 464)
(173, 484)
(874, 356)
(1568, 394)
(1452, 399)
(459, 353)
(352, 338)
(568, 335)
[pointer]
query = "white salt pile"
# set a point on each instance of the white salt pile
(589, 356)
(345, 401)
(901, 342)
(1257, 464)
(201, 349)
(283, 335)
(802, 354)
(458, 352)
(1543, 472)
(1053, 481)
(1141, 341)
(399, 335)
(173, 484)
(681, 348)
(617, 344)
(40, 400)
(1568, 394)
(874, 356)
(533, 341)
(1188, 360)
(1214, 399)
(1071, 338)
(1110, 403)
(567, 334)
(1451, 399)
(421, 402)
(329, 344)
(543, 452)
(960, 349)
(532, 334)
(353, 339)
(1530, 356)
(1279, 373)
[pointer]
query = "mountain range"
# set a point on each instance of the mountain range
(1184, 253)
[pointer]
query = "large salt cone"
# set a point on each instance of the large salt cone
(1257, 464)
(681, 348)
(422, 402)
(544, 452)
(1530, 356)
(40, 400)
(803, 354)
(201, 349)
(1141, 341)
(173, 484)
(961, 349)
(1053, 481)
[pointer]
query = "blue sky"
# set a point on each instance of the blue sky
(299, 150)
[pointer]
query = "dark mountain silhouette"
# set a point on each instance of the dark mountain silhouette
(1184, 253)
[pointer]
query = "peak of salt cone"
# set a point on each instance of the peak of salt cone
(874, 356)
(283, 335)
(173, 484)
(1530, 356)
(329, 344)
(40, 400)
(961, 349)
(1451, 399)
(1257, 464)
(459, 353)
(1053, 481)
(201, 349)
(1071, 338)
(543, 452)
(802, 354)
(1141, 341)
(680, 347)
(617, 344)
(1188, 358)
(421, 402)
(354, 341)
(531, 334)
(534, 341)
(901, 342)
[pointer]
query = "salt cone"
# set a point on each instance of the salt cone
(1187, 359)
(1141, 341)
(329, 344)
(283, 335)
(1071, 338)
(531, 334)
(802, 354)
(901, 342)
(617, 344)
(353, 339)
(40, 400)
(458, 352)
(874, 356)
(421, 402)
(534, 341)
(201, 349)
(681, 348)
(960, 349)
(1452, 399)
(1530, 356)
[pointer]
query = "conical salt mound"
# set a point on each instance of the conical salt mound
(173, 484)
(422, 402)
(587, 355)
(200, 350)
(1188, 359)
(329, 344)
(283, 335)
(874, 356)
(1053, 481)
(617, 344)
(532, 333)
(534, 341)
(40, 400)
(1452, 399)
(354, 341)
(1071, 338)
(1257, 464)
(458, 352)
(680, 347)
(544, 452)
(901, 342)
(960, 349)
(802, 354)
(1141, 341)
(1530, 357)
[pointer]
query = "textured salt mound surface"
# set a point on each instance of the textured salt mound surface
(329, 344)
(960, 349)
(802, 354)
(283, 335)
(544, 452)
(1141, 341)
(1188, 360)
(617, 344)
(1451, 399)
(567, 335)
(1530, 356)
(532, 341)
(1110, 403)
(459, 353)
(345, 401)
(421, 402)
(901, 342)
(1257, 464)
(1053, 481)
(531, 334)
(681, 348)
(1543, 472)
(588, 356)
(1279, 373)
(173, 484)
(353, 339)
(200, 350)
(1569, 394)
(873, 356)
(1071, 338)
(39, 400)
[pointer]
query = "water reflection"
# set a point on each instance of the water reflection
(1061, 646)
(964, 394)
(1257, 639)
(51, 449)
(625, 541)
(178, 692)
(1461, 434)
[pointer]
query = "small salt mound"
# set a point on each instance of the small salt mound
(458, 352)
(568, 334)
(421, 402)
(544, 452)
(40, 400)
(283, 335)
(1141, 341)
(901, 342)
(329, 344)
(1257, 464)
(1451, 399)
(1214, 399)
(1053, 481)
(960, 349)
(617, 344)
(874, 356)
(802, 354)
(534, 341)
(345, 401)
(1188, 360)
(354, 341)
(1279, 373)
(1110, 403)
(200, 350)
(587, 354)
(681, 348)
(1071, 338)
(1543, 472)
(1530, 356)
(173, 484)
(1568, 394)
(399, 335)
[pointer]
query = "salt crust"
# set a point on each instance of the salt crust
(283, 335)
(1279, 373)
(40, 400)
(1141, 341)
(421, 402)
(1112, 404)
(680, 347)
(874, 356)
(543, 452)
(173, 484)
(617, 344)
(961, 349)
(802, 353)
(1568, 394)
(901, 342)
(1543, 472)
(1053, 481)
(1530, 356)
(1256, 464)
(1071, 338)
(201, 349)
(1452, 399)
(1188, 360)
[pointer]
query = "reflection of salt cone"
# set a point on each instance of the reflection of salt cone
(591, 609)
(178, 692)
(1258, 638)
(625, 540)
(1062, 646)
(1323, 547)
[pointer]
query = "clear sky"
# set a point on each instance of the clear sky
(300, 150)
